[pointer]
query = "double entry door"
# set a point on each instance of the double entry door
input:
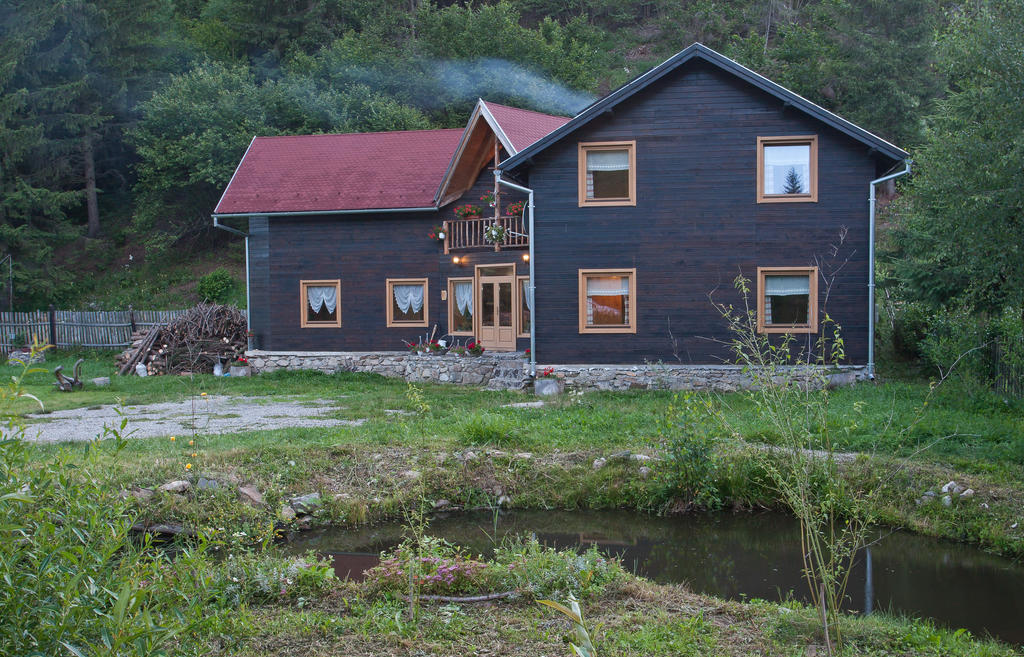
(495, 288)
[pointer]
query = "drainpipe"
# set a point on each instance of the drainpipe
(871, 263)
(248, 308)
(532, 287)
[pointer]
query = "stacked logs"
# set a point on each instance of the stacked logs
(193, 342)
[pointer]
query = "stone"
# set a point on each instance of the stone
(207, 484)
(621, 456)
(287, 513)
(967, 493)
(599, 463)
(142, 494)
(644, 472)
(984, 505)
(504, 500)
(947, 500)
(640, 458)
(929, 493)
(531, 404)
(303, 522)
(180, 486)
(547, 387)
(101, 381)
(496, 453)
(441, 503)
(251, 496)
(469, 455)
(306, 503)
(951, 487)
(525, 456)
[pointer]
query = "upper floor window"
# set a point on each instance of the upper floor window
(320, 304)
(787, 299)
(607, 173)
(407, 302)
(787, 169)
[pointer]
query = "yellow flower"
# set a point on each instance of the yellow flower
(188, 466)
(202, 394)
(191, 442)
(194, 454)
(173, 439)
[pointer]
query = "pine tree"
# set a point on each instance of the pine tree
(794, 185)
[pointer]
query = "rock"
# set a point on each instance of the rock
(951, 487)
(180, 486)
(207, 484)
(142, 494)
(947, 500)
(287, 513)
(101, 381)
(495, 453)
(469, 456)
(621, 456)
(342, 496)
(640, 458)
(984, 505)
(251, 496)
(291, 463)
(411, 474)
(929, 493)
(166, 529)
(303, 522)
(504, 500)
(525, 456)
(305, 503)
(441, 504)
(644, 472)
(967, 493)
(599, 463)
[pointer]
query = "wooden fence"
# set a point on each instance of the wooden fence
(1007, 371)
(101, 329)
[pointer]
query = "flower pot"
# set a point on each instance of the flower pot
(240, 370)
(547, 387)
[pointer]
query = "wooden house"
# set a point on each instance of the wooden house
(645, 207)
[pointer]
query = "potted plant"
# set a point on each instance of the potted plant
(516, 209)
(546, 384)
(436, 233)
(488, 198)
(469, 212)
(495, 234)
(240, 367)
(474, 348)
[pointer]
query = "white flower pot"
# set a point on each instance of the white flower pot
(547, 387)
(243, 370)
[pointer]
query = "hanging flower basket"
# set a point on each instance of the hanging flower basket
(495, 234)
(469, 212)
(488, 198)
(436, 233)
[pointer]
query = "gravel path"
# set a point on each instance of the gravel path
(213, 415)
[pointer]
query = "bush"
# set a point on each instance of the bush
(486, 429)
(216, 287)
(691, 466)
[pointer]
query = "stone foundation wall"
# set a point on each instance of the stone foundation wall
(509, 371)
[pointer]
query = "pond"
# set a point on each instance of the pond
(734, 556)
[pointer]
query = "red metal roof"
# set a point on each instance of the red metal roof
(523, 127)
(359, 171)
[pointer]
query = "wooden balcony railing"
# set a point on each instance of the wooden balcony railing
(466, 234)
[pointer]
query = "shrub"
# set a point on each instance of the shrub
(216, 287)
(435, 566)
(691, 466)
(542, 572)
(486, 429)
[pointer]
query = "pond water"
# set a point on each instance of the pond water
(734, 556)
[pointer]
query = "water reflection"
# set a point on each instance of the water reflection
(737, 556)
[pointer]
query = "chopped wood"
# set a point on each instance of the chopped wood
(192, 342)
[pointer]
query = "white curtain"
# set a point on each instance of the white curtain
(527, 294)
(409, 298)
(608, 161)
(786, 286)
(322, 295)
(464, 297)
(607, 286)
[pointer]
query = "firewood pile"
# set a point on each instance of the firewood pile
(193, 342)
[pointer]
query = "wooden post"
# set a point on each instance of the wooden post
(131, 322)
(53, 327)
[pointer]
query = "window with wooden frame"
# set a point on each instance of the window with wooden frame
(787, 299)
(407, 302)
(525, 307)
(460, 306)
(607, 300)
(607, 173)
(787, 169)
(320, 304)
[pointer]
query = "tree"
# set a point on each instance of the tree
(960, 231)
(793, 183)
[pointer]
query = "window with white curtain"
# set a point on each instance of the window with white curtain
(787, 299)
(607, 173)
(321, 303)
(407, 302)
(460, 306)
(525, 306)
(787, 169)
(607, 301)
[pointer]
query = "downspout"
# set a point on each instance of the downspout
(871, 263)
(248, 307)
(532, 287)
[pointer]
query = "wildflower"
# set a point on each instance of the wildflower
(188, 466)
(173, 439)
(202, 394)
(191, 442)
(193, 454)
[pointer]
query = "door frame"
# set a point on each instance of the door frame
(478, 302)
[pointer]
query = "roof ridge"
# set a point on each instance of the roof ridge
(350, 134)
(521, 109)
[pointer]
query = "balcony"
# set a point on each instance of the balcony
(468, 234)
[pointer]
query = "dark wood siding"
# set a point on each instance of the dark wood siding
(696, 225)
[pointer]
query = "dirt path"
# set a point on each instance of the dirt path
(211, 415)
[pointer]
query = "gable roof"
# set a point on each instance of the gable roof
(370, 171)
(701, 52)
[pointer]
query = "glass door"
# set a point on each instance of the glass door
(495, 287)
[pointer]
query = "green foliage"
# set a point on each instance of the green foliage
(249, 577)
(581, 643)
(691, 465)
(961, 227)
(537, 571)
(485, 428)
(216, 287)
